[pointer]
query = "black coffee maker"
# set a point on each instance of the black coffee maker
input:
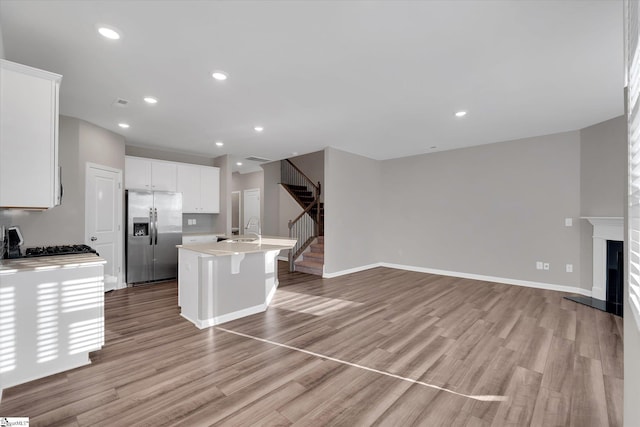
(13, 240)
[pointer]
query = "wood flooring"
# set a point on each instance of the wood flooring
(380, 347)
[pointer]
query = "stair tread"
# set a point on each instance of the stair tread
(307, 263)
(314, 255)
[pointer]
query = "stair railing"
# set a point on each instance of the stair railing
(306, 226)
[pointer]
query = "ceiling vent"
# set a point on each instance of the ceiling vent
(258, 159)
(120, 102)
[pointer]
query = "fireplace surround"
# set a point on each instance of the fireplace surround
(608, 235)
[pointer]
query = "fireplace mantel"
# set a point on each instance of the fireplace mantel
(604, 228)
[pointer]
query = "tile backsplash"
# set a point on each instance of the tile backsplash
(204, 223)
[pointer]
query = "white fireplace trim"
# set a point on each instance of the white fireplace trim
(604, 228)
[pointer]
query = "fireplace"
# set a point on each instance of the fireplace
(608, 274)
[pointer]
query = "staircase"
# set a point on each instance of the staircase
(312, 261)
(308, 227)
(305, 198)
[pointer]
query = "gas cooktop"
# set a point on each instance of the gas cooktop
(59, 250)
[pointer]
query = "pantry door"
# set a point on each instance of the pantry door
(103, 220)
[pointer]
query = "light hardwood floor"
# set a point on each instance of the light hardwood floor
(380, 347)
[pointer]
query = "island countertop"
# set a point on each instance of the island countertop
(233, 247)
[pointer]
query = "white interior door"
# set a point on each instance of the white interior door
(251, 210)
(103, 220)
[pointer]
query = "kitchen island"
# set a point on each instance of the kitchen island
(223, 281)
(51, 315)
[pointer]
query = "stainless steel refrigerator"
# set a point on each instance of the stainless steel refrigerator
(154, 228)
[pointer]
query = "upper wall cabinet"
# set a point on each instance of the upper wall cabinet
(199, 185)
(147, 174)
(200, 188)
(29, 174)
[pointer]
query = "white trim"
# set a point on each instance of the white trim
(604, 228)
(217, 320)
(503, 280)
(283, 258)
(119, 199)
(326, 275)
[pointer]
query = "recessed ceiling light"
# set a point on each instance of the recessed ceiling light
(295, 153)
(109, 33)
(461, 113)
(219, 75)
(124, 125)
(239, 163)
(150, 100)
(219, 143)
(433, 147)
(258, 128)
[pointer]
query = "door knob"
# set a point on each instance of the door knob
(93, 238)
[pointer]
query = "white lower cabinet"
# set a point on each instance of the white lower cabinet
(49, 321)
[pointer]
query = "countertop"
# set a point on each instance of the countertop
(205, 233)
(10, 266)
(225, 248)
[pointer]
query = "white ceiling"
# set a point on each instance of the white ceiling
(378, 78)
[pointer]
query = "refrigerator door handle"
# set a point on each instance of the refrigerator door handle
(155, 210)
(151, 225)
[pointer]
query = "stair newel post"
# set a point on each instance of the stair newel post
(290, 256)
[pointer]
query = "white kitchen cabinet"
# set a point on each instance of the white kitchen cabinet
(29, 174)
(51, 320)
(200, 188)
(189, 185)
(210, 189)
(137, 173)
(163, 176)
(147, 174)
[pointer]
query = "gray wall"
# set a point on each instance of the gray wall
(170, 156)
(312, 165)
(79, 142)
(271, 199)
(352, 211)
(603, 163)
(490, 210)
(1, 44)
(222, 221)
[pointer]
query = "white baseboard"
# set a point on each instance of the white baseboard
(217, 320)
(326, 275)
(283, 258)
(506, 281)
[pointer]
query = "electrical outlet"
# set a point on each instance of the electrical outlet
(568, 222)
(545, 266)
(194, 221)
(538, 265)
(569, 268)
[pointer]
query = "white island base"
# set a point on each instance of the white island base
(220, 282)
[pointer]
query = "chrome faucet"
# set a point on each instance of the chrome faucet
(254, 221)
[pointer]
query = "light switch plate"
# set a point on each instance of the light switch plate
(568, 222)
